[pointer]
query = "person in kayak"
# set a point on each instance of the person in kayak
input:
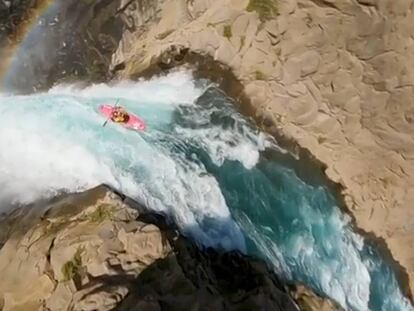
(119, 115)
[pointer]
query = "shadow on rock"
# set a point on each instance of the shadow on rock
(99, 250)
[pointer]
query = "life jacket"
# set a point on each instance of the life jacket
(120, 117)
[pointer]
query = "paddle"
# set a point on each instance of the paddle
(116, 104)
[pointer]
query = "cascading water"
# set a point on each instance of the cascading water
(201, 163)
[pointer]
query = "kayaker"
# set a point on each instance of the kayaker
(119, 115)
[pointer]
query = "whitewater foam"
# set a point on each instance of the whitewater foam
(56, 142)
(177, 88)
(237, 141)
(34, 164)
(201, 165)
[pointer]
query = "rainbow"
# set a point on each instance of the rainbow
(8, 52)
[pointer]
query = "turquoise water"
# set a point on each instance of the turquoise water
(201, 163)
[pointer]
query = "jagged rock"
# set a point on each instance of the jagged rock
(307, 300)
(172, 57)
(76, 42)
(341, 73)
(12, 13)
(98, 250)
(346, 68)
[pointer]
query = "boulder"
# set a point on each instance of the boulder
(99, 250)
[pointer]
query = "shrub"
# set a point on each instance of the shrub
(103, 212)
(73, 267)
(266, 9)
(227, 32)
(260, 75)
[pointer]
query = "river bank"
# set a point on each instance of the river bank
(314, 83)
(100, 250)
(331, 80)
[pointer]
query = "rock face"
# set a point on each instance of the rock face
(335, 76)
(11, 14)
(94, 251)
(63, 40)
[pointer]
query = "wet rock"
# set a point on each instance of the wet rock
(75, 41)
(12, 14)
(93, 251)
(308, 301)
(346, 70)
(172, 57)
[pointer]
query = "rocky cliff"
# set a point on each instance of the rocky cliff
(64, 40)
(99, 250)
(333, 76)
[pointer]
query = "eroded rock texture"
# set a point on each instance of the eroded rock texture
(336, 76)
(44, 42)
(94, 251)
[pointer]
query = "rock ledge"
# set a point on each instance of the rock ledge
(99, 250)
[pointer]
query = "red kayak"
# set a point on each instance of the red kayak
(133, 122)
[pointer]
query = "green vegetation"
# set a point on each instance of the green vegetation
(213, 24)
(227, 31)
(259, 75)
(103, 212)
(72, 268)
(267, 9)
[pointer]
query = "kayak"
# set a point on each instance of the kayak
(133, 122)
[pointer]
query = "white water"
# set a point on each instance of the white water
(55, 141)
